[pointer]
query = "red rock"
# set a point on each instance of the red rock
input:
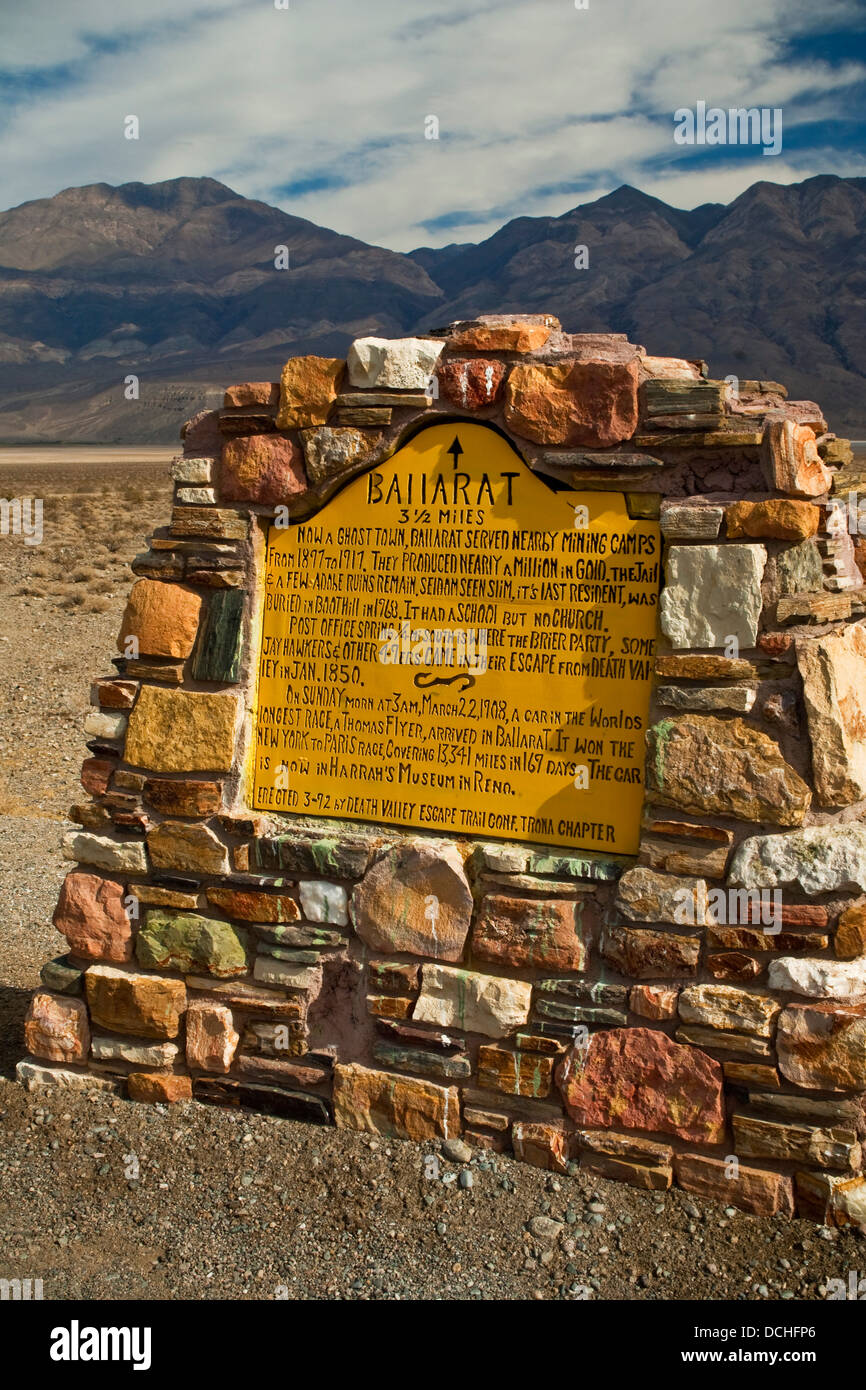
(775, 643)
(182, 798)
(91, 915)
(641, 953)
(471, 382)
(158, 1087)
(733, 965)
(267, 468)
(56, 1029)
(587, 404)
(116, 694)
(201, 435)
(252, 393)
(757, 1190)
(541, 1145)
(252, 905)
(544, 933)
(96, 773)
(637, 1078)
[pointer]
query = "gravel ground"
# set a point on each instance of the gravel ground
(104, 1199)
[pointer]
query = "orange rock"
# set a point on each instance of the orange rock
(162, 617)
(211, 1038)
(779, 518)
(96, 774)
(57, 1029)
(308, 389)
(182, 798)
(398, 1106)
(790, 459)
(158, 1087)
(123, 1002)
(654, 1001)
(252, 393)
(544, 1146)
(751, 1189)
(850, 940)
(189, 848)
(91, 915)
(515, 1073)
(587, 404)
(506, 337)
(388, 1006)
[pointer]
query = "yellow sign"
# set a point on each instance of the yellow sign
(454, 645)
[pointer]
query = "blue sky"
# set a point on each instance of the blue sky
(322, 107)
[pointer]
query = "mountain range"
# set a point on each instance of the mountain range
(176, 284)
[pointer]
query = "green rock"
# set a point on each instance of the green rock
(601, 868)
(186, 942)
(62, 978)
(217, 655)
(800, 569)
(294, 855)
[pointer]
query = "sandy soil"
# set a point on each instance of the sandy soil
(104, 1199)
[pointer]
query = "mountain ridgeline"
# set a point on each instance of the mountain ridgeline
(175, 284)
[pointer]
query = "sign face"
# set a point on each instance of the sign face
(452, 645)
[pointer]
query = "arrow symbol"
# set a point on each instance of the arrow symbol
(456, 449)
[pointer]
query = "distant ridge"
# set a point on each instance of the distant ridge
(175, 283)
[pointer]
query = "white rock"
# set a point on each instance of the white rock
(833, 668)
(196, 471)
(127, 856)
(101, 725)
(401, 364)
(270, 971)
(470, 1002)
(712, 593)
(32, 1074)
(820, 859)
(819, 979)
(196, 496)
(107, 1048)
(324, 902)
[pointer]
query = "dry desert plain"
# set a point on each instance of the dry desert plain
(234, 1205)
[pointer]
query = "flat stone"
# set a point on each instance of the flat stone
(471, 1002)
(182, 798)
(751, 1074)
(546, 933)
(403, 364)
(56, 1029)
(654, 1001)
(288, 975)
(734, 966)
(710, 1039)
(91, 915)
(702, 860)
(31, 1076)
(833, 668)
(308, 389)
(209, 523)
(736, 698)
(470, 383)
(158, 1088)
(843, 1112)
(644, 954)
(399, 1107)
(515, 1073)
(118, 856)
(182, 730)
(627, 1170)
(646, 896)
(324, 902)
(800, 569)
(253, 905)
(712, 593)
(293, 854)
(489, 335)
(389, 1006)
(590, 404)
(822, 1046)
(721, 1006)
(447, 1068)
(637, 1078)
(106, 1048)
(757, 1190)
(197, 472)
(329, 452)
(188, 848)
(685, 521)
(265, 468)
(820, 859)
(712, 668)
(778, 519)
(196, 496)
(817, 978)
(415, 899)
(825, 1148)
(152, 895)
(163, 618)
(211, 1039)
(707, 765)
(123, 1002)
(187, 941)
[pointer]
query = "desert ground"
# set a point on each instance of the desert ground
(104, 1199)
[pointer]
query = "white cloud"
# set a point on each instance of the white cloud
(530, 96)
